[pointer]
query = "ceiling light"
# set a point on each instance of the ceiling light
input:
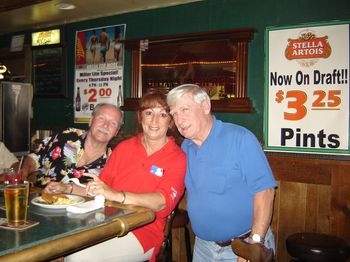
(65, 6)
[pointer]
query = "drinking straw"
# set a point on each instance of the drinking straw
(20, 165)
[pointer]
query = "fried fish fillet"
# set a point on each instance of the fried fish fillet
(53, 198)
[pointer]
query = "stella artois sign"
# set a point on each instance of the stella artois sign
(308, 46)
(307, 89)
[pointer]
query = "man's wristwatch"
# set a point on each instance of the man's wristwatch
(257, 238)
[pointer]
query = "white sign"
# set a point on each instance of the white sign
(17, 42)
(307, 89)
(99, 66)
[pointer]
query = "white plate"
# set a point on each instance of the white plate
(38, 201)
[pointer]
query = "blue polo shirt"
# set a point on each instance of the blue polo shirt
(221, 179)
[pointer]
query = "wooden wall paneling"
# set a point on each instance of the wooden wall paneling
(303, 170)
(340, 202)
(323, 208)
(292, 214)
(300, 207)
(317, 208)
(311, 208)
(325, 184)
(179, 244)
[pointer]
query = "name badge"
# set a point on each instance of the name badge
(158, 171)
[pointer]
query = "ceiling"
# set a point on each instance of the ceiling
(18, 15)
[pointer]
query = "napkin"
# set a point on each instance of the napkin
(88, 206)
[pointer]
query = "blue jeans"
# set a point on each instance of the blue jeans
(205, 251)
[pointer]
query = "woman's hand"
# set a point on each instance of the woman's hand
(57, 188)
(98, 187)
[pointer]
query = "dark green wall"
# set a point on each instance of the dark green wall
(201, 16)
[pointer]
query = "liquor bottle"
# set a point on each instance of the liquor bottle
(120, 97)
(78, 100)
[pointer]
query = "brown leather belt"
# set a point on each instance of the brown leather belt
(228, 242)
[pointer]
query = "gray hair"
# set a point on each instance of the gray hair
(199, 94)
(98, 107)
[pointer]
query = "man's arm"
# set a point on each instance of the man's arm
(263, 209)
(28, 166)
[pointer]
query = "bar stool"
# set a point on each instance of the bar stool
(177, 219)
(316, 247)
(181, 220)
(164, 254)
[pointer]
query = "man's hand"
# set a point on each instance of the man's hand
(98, 187)
(57, 188)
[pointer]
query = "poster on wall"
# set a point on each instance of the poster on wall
(99, 66)
(307, 89)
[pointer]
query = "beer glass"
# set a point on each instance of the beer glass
(16, 203)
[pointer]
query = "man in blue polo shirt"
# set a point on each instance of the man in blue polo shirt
(230, 186)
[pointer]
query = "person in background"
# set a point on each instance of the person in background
(7, 159)
(146, 170)
(73, 152)
(104, 44)
(93, 41)
(117, 44)
(230, 186)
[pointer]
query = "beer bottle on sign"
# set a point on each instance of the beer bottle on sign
(120, 97)
(78, 100)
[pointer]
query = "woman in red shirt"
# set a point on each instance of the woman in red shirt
(146, 170)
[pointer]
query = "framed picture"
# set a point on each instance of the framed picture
(17, 42)
(49, 72)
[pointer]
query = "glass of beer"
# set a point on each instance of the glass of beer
(16, 203)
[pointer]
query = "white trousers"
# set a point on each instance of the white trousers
(123, 249)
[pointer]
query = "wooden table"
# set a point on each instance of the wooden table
(59, 233)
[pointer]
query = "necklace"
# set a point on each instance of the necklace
(87, 158)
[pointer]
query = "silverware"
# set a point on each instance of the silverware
(76, 181)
